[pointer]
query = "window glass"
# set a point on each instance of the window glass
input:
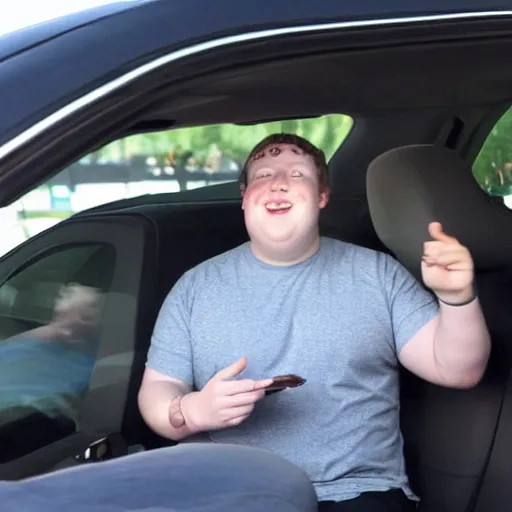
(493, 165)
(164, 162)
(50, 317)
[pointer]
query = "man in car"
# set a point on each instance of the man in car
(340, 316)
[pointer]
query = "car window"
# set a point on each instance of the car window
(151, 163)
(493, 166)
(50, 319)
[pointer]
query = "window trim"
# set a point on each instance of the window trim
(109, 87)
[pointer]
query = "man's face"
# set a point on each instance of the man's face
(282, 199)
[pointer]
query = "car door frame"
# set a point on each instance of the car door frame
(131, 273)
(28, 156)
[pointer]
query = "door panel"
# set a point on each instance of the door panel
(68, 312)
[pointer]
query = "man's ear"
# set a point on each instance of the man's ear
(325, 194)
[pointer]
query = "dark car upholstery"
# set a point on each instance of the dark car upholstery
(449, 433)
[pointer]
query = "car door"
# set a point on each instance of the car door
(62, 294)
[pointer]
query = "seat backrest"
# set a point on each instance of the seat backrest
(190, 236)
(449, 434)
(186, 236)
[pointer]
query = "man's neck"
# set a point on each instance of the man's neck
(285, 257)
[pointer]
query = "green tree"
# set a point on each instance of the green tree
(235, 141)
(493, 166)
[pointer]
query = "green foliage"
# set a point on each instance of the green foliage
(234, 141)
(45, 214)
(493, 166)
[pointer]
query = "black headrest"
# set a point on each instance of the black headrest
(410, 186)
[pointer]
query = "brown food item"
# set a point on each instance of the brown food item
(285, 381)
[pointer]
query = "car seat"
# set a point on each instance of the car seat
(449, 434)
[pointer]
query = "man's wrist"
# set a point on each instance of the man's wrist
(462, 298)
(176, 417)
(183, 403)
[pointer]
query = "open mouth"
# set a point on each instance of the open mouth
(278, 207)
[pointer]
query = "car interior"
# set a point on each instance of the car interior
(421, 114)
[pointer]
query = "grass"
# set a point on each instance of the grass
(44, 214)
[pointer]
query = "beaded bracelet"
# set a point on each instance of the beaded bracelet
(177, 420)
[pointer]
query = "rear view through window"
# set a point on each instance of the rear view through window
(50, 321)
(153, 163)
(493, 166)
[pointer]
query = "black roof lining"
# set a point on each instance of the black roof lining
(412, 76)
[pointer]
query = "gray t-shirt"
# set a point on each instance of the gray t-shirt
(338, 319)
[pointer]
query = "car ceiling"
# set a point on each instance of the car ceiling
(416, 89)
(457, 75)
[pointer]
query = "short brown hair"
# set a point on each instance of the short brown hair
(289, 138)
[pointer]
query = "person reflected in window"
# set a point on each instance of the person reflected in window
(47, 369)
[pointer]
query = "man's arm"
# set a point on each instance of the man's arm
(157, 396)
(453, 348)
(172, 410)
(169, 374)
